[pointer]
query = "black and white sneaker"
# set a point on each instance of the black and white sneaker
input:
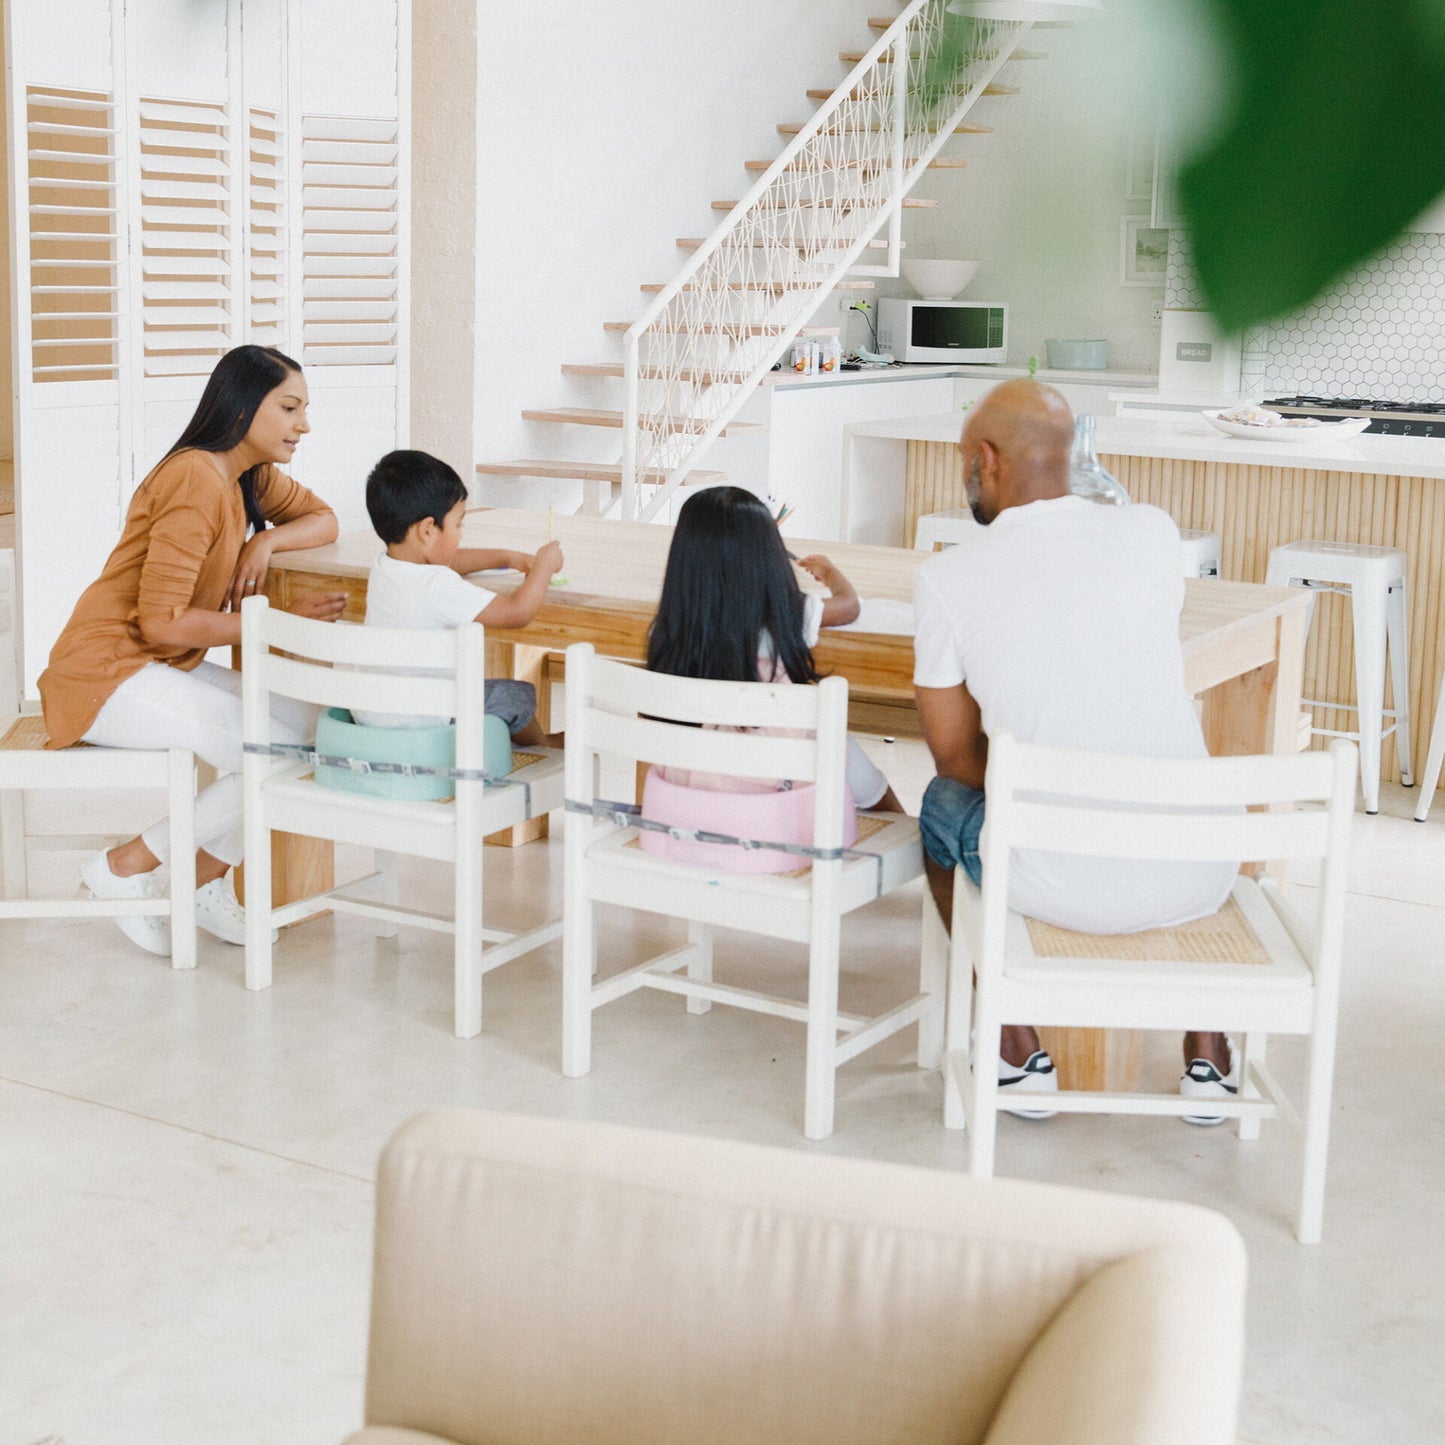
(1202, 1080)
(1036, 1075)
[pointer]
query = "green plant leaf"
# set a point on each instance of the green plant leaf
(1336, 143)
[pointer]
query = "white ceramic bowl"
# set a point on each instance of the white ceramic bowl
(938, 280)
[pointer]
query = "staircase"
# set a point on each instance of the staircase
(803, 229)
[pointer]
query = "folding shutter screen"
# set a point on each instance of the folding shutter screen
(186, 177)
(73, 414)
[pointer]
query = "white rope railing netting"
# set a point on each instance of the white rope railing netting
(709, 338)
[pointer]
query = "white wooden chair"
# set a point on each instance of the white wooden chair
(1111, 806)
(26, 765)
(281, 796)
(613, 716)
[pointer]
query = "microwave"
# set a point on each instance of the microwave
(943, 330)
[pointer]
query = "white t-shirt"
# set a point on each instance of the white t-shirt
(416, 594)
(1063, 618)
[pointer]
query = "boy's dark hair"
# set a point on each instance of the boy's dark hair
(728, 581)
(405, 487)
(237, 386)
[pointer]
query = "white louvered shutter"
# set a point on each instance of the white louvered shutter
(352, 192)
(266, 238)
(187, 236)
(72, 414)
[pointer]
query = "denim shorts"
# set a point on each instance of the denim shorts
(951, 821)
(514, 702)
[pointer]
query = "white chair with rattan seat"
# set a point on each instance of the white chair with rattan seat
(1373, 578)
(1257, 968)
(27, 765)
(614, 718)
(942, 528)
(1201, 552)
(338, 666)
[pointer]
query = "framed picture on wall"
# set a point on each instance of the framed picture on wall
(1144, 252)
(1139, 167)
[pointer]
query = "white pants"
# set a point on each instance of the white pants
(163, 707)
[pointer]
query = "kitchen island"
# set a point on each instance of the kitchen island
(1386, 491)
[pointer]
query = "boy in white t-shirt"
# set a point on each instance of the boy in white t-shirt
(416, 503)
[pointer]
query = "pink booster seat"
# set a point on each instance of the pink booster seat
(773, 817)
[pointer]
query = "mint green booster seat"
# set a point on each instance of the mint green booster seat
(338, 736)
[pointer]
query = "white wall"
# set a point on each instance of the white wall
(603, 133)
(1040, 202)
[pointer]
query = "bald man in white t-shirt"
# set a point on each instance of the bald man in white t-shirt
(1056, 620)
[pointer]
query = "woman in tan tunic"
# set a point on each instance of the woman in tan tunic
(130, 668)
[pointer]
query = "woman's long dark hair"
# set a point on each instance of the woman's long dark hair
(242, 380)
(728, 581)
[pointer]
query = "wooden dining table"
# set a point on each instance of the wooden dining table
(1243, 655)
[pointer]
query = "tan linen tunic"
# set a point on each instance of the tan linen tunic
(182, 538)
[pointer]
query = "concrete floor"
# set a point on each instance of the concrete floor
(187, 1175)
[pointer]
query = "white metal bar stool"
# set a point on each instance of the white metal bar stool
(1373, 578)
(1201, 553)
(947, 527)
(26, 764)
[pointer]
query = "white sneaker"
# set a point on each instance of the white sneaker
(220, 915)
(150, 931)
(1202, 1080)
(1036, 1075)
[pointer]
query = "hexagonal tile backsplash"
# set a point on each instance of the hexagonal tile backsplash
(1380, 332)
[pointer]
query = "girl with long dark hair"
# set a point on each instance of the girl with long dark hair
(129, 670)
(732, 610)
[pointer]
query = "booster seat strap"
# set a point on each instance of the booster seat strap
(301, 753)
(629, 815)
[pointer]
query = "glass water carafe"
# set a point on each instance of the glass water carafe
(1086, 477)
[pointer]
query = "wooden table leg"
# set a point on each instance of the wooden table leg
(1094, 1059)
(526, 664)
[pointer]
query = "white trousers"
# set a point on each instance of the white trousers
(163, 707)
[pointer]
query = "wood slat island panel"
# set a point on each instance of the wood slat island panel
(1255, 508)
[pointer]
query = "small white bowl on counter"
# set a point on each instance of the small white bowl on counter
(1251, 424)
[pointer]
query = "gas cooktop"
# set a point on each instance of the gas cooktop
(1387, 418)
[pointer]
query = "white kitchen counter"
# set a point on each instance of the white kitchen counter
(1191, 438)
(1143, 380)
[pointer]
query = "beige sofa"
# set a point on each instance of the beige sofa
(564, 1283)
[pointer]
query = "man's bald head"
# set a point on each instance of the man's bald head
(1016, 444)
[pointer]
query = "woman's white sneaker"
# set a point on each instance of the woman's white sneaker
(220, 915)
(150, 931)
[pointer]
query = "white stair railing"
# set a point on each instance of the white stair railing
(697, 353)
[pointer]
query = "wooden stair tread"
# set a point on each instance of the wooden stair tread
(583, 471)
(723, 329)
(599, 416)
(939, 163)
(909, 203)
(650, 373)
(792, 127)
(691, 243)
(773, 288)
(991, 89)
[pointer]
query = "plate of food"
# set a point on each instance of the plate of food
(1256, 423)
